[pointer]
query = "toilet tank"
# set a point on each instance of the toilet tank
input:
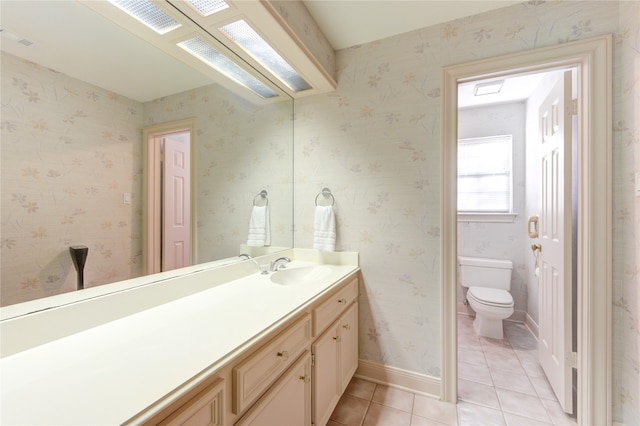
(483, 272)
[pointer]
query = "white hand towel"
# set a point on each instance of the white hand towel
(324, 235)
(259, 227)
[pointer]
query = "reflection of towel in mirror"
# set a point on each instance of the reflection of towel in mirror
(324, 235)
(259, 227)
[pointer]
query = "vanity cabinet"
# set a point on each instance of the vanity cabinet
(254, 375)
(335, 355)
(288, 402)
(294, 375)
(205, 409)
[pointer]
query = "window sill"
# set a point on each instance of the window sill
(487, 217)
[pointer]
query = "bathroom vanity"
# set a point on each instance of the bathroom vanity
(221, 346)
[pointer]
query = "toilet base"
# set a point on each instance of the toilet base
(488, 327)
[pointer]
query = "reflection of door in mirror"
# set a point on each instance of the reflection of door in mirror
(167, 185)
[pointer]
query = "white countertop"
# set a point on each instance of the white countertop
(109, 373)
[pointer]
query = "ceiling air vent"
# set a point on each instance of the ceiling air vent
(16, 38)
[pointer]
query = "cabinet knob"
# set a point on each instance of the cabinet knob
(346, 326)
(336, 338)
(284, 355)
(342, 301)
(305, 378)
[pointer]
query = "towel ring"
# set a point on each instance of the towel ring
(263, 195)
(326, 193)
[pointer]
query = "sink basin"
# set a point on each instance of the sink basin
(301, 275)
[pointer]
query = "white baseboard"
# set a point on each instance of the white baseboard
(398, 378)
(531, 325)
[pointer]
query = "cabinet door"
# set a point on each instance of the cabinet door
(326, 385)
(205, 409)
(288, 402)
(348, 345)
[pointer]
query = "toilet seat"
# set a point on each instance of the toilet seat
(491, 297)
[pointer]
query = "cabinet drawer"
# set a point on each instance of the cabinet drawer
(329, 310)
(288, 401)
(256, 374)
(206, 408)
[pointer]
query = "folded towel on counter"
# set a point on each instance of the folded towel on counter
(324, 235)
(259, 227)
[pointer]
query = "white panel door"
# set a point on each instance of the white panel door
(555, 237)
(176, 233)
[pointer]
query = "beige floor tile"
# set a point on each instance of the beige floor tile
(350, 411)
(422, 421)
(381, 415)
(508, 363)
(475, 415)
(478, 393)
(514, 420)
(557, 415)
(471, 356)
(474, 372)
(431, 408)
(542, 387)
(522, 405)
(394, 398)
(360, 388)
(512, 381)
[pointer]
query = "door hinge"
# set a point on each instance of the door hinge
(573, 359)
(313, 360)
(574, 107)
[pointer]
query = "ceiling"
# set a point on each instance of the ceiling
(346, 23)
(70, 38)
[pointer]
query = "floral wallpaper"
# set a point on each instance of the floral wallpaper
(69, 152)
(375, 142)
(242, 149)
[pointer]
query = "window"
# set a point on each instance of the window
(484, 175)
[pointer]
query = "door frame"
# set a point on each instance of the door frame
(593, 58)
(150, 217)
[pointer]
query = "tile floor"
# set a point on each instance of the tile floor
(499, 383)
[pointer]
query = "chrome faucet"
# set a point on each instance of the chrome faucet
(279, 263)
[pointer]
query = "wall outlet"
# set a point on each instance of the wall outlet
(126, 198)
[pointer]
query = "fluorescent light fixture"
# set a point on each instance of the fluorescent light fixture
(490, 88)
(149, 14)
(256, 46)
(208, 7)
(212, 57)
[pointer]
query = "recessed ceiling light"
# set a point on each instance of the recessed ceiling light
(148, 13)
(245, 36)
(218, 61)
(490, 88)
(208, 7)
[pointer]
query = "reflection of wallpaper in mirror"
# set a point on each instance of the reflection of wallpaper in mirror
(70, 150)
(242, 149)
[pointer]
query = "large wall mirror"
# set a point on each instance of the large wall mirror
(77, 92)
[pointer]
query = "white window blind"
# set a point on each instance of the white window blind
(484, 175)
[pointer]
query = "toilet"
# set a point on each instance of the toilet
(488, 282)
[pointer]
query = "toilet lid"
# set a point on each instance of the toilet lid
(491, 296)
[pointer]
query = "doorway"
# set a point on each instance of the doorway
(592, 58)
(168, 204)
(504, 177)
